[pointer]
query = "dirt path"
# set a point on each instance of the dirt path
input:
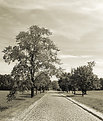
(54, 107)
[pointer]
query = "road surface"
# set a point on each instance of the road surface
(55, 107)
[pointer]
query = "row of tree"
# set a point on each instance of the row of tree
(42, 83)
(35, 57)
(81, 78)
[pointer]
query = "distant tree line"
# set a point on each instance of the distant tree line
(5, 82)
(81, 78)
(42, 83)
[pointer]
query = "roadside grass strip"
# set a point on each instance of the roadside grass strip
(85, 107)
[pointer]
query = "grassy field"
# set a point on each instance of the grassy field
(93, 99)
(23, 101)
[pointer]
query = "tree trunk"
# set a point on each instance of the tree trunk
(43, 90)
(32, 92)
(82, 93)
(40, 89)
(32, 74)
(36, 91)
(74, 92)
(85, 92)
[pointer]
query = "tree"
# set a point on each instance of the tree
(33, 53)
(55, 85)
(101, 82)
(65, 81)
(84, 77)
(42, 81)
(96, 83)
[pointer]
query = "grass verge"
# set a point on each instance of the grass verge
(93, 99)
(10, 109)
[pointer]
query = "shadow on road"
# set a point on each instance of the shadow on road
(70, 95)
(19, 99)
(2, 108)
(54, 95)
(25, 96)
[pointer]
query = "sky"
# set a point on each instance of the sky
(77, 27)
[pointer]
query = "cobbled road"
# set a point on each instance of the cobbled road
(55, 107)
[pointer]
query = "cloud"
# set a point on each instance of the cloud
(21, 4)
(77, 26)
(5, 68)
(73, 56)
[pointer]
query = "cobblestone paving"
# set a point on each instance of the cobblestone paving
(54, 107)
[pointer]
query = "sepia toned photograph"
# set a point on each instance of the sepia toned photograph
(51, 60)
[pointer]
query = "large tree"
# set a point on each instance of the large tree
(33, 53)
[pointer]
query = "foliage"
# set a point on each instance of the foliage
(55, 85)
(42, 81)
(65, 82)
(34, 53)
(82, 78)
(5, 82)
(101, 82)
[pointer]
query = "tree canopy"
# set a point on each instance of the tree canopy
(34, 52)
